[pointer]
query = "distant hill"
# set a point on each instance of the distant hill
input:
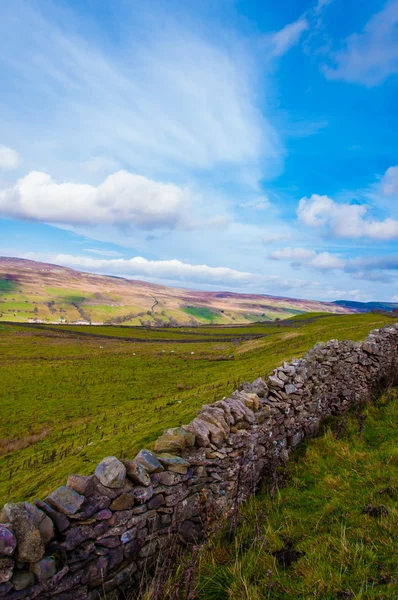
(32, 290)
(368, 306)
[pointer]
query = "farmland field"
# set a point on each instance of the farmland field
(70, 396)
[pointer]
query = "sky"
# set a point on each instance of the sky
(234, 145)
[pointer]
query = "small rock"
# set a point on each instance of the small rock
(60, 520)
(82, 484)
(43, 569)
(137, 473)
(275, 382)
(6, 569)
(147, 459)
(22, 579)
(8, 542)
(170, 443)
(376, 511)
(30, 545)
(142, 494)
(173, 463)
(290, 389)
(111, 472)
(65, 500)
(123, 502)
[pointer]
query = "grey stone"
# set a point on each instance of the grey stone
(142, 494)
(123, 502)
(65, 500)
(8, 541)
(43, 569)
(22, 579)
(30, 545)
(60, 520)
(147, 459)
(6, 569)
(137, 472)
(176, 464)
(82, 484)
(111, 472)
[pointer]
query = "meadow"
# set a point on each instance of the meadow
(70, 396)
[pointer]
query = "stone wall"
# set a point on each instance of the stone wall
(99, 533)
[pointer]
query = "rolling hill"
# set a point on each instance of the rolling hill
(37, 291)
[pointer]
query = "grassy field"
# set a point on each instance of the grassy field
(317, 512)
(70, 399)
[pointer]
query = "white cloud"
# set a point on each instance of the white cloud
(123, 200)
(258, 204)
(171, 270)
(281, 41)
(99, 163)
(294, 254)
(273, 238)
(100, 252)
(394, 298)
(371, 56)
(323, 261)
(9, 158)
(389, 182)
(344, 220)
(326, 261)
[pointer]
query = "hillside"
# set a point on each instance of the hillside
(38, 291)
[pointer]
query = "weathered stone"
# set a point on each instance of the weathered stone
(30, 545)
(157, 501)
(8, 541)
(60, 520)
(189, 438)
(6, 569)
(176, 464)
(259, 387)
(65, 500)
(103, 515)
(22, 579)
(43, 569)
(148, 549)
(142, 494)
(137, 472)
(147, 459)
(111, 472)
(82, 484)
(123, 502)
(166, 478)
(275, 382)
(201, 432)
(170, 443)
(290, 389)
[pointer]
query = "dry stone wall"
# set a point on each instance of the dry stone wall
(97, 534)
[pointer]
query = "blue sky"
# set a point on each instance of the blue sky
(239, 145)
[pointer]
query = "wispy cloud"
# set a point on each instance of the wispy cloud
(283, 40)
(370, 57)
(153, 105)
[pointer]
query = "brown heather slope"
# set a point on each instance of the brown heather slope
(34, 290)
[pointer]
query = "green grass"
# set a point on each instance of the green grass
(7, 285)
(200, 312)
(330, 482)
(68, 400)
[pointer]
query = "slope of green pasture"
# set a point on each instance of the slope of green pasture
(68, 400)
